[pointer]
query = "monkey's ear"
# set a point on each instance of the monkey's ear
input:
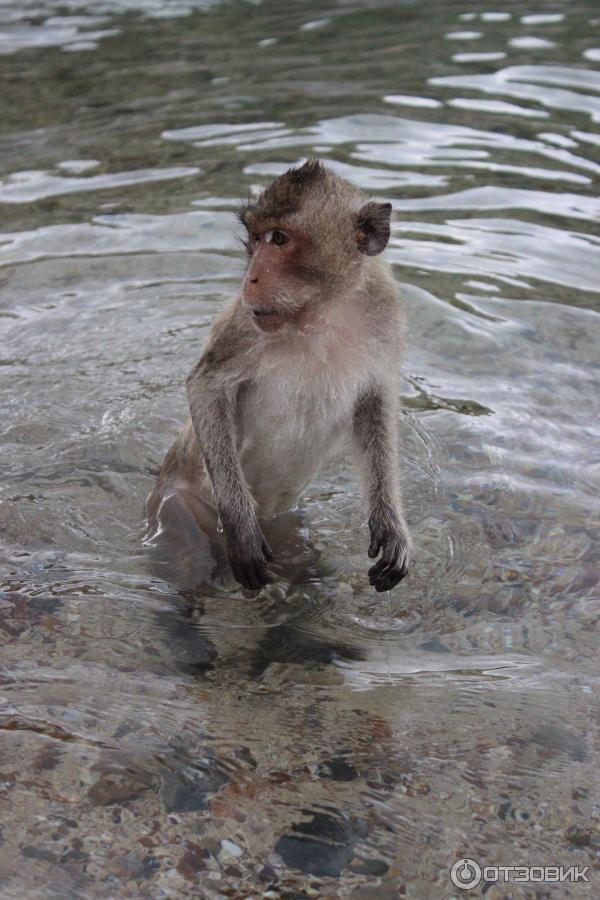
(373, 227)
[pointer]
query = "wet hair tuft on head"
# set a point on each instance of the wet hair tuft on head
(283, 196)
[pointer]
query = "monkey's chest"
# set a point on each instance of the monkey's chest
(286, 431)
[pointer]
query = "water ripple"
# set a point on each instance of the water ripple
(533, 83)
(27, 187)
(250, 744)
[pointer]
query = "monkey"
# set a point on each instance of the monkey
(306, 352)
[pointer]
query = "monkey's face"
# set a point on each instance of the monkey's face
(308, 235)
(278, 285)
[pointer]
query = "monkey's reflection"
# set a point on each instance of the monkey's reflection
(328, 753)
(196, 567)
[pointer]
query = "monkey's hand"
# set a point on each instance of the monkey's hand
(387, 535)
(249, 555)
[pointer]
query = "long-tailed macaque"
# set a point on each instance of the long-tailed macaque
(308, 348)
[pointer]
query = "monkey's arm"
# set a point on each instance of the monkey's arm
(375, 438)
(212, 414)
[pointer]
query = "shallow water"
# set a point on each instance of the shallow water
(321, 740)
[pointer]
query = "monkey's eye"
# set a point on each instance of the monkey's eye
(277, 237)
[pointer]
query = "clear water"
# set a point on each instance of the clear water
(320, 740)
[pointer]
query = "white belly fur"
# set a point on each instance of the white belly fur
(294, 415)
(285, 436)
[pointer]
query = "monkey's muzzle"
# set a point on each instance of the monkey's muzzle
(269, 319)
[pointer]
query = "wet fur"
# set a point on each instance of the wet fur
(268, 408)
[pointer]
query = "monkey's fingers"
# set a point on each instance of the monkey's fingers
(239, 574)
(392, 567)
(390, 578)
(243, 574)
(375, 546)
(251, 573)
(389, 557)
(261, 573)
(268, 553)
(254, 578)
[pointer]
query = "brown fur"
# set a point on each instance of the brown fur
(308, 347)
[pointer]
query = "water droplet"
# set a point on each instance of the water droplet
(219, 525)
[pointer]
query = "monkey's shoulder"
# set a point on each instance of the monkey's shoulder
(228, 341)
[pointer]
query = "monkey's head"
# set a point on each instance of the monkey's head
(309, 238)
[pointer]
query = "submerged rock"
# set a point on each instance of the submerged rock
(323, 846)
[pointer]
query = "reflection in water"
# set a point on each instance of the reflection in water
(317, 740)
(25, 187)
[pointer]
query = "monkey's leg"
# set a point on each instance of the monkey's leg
(181, 549)
(296, 559)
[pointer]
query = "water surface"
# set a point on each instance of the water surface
(321, 740)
